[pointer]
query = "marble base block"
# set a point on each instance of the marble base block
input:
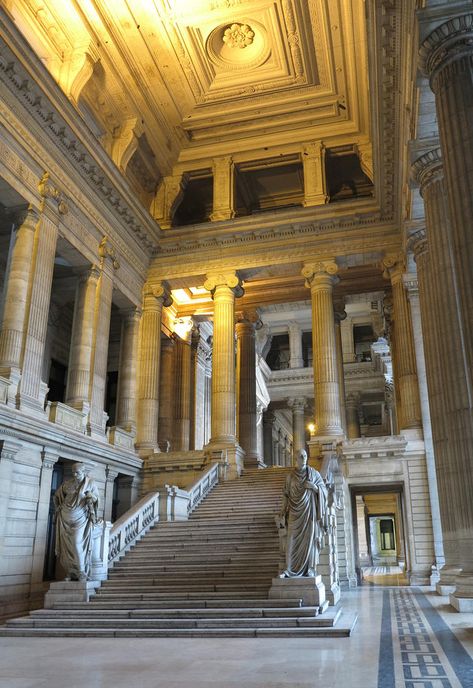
(443, 589)
(461, 604)
(62, 592)
(310, 590)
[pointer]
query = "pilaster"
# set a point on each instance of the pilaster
(315, 185)
(166, 392)
(247, 321)
(295, 345)
(297, 405)
(223, 189)
(49, 458)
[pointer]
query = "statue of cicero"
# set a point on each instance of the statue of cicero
(76, 502)
(304, 511)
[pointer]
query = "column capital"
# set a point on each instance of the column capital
(427, 169)
(110, 474)
(418, 244)
(250, 317)
(9, 448)
(322, 272)
(411, 285)
(92, 272)
(352, 399)
(26, 217)
(131, 314)
(107, 254)
(224, 279)
(393, 266)
(157, 291)
(297, 403)
(449, 43)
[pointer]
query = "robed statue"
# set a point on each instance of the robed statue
(303, 515)
(76, 503)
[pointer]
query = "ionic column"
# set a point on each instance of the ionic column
(182, 391)
(15, 310)
(295, 346)
(32, 390)
(103, 308)
(128, 370)
(404, 353)
(315, 185)
(446, 57)
(445, 358)
(321, 277)
(48, 460)
(82, 339)
(268, 431)
(223, 287)
(246, 381)
(339, 315)
(155, 297)
(167, 383)
(297, 405)
(223, 189)
(413, 291)
(353, 419)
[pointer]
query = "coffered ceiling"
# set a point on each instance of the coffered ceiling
(200, 78)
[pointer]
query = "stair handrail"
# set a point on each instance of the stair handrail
(199, 490)
(133, 524)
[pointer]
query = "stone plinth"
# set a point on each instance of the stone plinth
(310, 590)
(62, 592)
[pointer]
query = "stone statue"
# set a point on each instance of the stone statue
(76, 502)
(303, 512)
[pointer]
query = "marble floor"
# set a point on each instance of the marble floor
(405, 638)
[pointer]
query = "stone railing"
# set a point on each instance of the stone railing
(169, 503)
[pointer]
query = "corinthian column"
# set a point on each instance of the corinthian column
(320, 277)
(32, 390)
(103, 307)
(224, 287)
(446, 57)
(246, 380)
(445, 358)
(155, 296)
(80, 355)
(12, 330)
(128, 369)
(404, 353)
(166, 392)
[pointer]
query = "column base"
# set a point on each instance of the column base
(310, 590)
(318, 199)
(419, 577)
(231, 458)
(462, 598)
(220, 215)
(31, 406)
(448, 580)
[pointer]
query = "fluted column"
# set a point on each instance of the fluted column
(295, 346)
(260, 433)
(446, 364)
(167, 382)
(413, 291)
(110, 475)
(103, 308)
(405, 369)
(32, 390)
(320, 277)
(15, 311)
(199, 355)
(128, 369)
(224, 287)
(182, 392)
(339, 315)
(353, 419)
(297, 405)
(246, 381)
(447, 59)
(82, 337)
(155, 296)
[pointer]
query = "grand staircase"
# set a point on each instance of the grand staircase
(206, 577)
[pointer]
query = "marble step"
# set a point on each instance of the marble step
(166, 603)
(129, 571)
(225, 612)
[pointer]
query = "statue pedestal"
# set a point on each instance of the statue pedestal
(62, 592)
(310, 590)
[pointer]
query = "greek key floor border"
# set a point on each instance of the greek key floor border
(417, 648)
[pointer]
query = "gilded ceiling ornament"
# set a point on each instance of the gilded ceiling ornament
(238, 36)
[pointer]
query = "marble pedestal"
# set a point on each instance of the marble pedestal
(448, 580)
(462, 598)
(310, 590)
(62, 592)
